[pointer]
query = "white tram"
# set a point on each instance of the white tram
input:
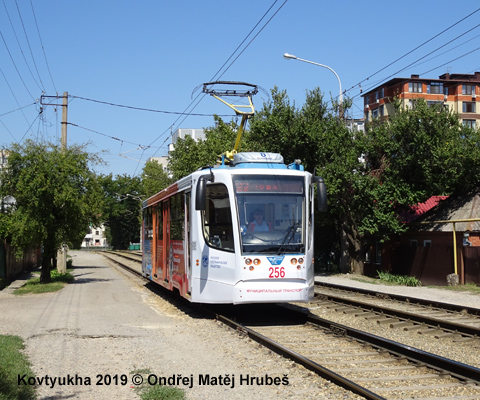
(204, 236)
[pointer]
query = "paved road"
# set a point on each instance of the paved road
(107, 323)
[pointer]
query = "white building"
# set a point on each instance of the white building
(95, 237)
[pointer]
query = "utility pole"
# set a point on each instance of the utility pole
(62, 253)
(64, 121)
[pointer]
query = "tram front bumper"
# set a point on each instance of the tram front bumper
(272, 291)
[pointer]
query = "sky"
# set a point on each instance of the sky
(131, 68)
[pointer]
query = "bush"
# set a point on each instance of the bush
(399, 279)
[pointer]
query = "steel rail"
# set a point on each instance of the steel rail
(406, 299)
(307, 363)
(408, 316)
(454, 368)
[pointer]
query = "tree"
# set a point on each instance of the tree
(189, 155)
(121, 211)
(371, 177)
(56, 197)
(154, 179)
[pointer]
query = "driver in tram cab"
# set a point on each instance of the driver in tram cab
(259, 224)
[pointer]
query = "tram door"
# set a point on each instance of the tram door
(159, 246)
(175, 242)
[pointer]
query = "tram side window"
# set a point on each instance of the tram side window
(160, 222)
(217, 221)
(148, 224)
(177, 217)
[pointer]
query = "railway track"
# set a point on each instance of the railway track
(368, 365)
(440, 320)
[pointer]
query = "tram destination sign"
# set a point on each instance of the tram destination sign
(249, 184)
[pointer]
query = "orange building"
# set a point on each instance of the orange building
(458, 92)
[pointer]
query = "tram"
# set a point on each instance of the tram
(239, 232)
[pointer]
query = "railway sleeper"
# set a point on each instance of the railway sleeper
(402, 324)
(387, 320)
(421, 388)
(452, 335)
(399, 378)
(430, 331)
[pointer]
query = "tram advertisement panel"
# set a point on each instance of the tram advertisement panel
(176, 264)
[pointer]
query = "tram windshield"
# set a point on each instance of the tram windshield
(271, 213)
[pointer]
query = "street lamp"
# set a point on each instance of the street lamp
(340, 96)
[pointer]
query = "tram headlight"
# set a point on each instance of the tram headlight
(301, 260)
(256, 262)
(248, 261)
(293, 261)
(251, 268)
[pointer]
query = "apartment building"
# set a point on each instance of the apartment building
(458, 92)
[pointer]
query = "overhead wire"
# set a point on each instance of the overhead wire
(15, 65)
(14, 96)
(416, 48)
(217, 75)
(139, 108)
(19, 45)
(43, 48)
(30, 47)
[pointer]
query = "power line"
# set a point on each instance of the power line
(217, 73)
(416, 48)
(43, 48)
(140, 108)
(30, 47)
(109, 136)
(19, 45)
(15, 65)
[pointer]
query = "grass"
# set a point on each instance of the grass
(399, 279)
(33, 286)
(12, 364)
(157, 392)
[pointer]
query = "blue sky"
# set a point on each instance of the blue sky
(153, 54)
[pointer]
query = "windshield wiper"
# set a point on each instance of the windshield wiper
(290, 232)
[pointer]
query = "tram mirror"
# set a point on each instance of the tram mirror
(322, 193)
(201, 194)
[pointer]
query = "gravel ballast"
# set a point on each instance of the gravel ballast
(107, 326)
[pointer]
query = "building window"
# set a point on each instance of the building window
(415, 87)
(468, 89)
(445, 91)
(381, 110)
(427, 243)
(366, 100)
(468, 107)
(435, 88)
(435, 103)
(366, 116)
(469, 122)
(413, 243)
(375, 113)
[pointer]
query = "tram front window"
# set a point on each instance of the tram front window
(280, 200)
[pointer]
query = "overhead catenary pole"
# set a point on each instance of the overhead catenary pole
(63, 140)
(62, 253)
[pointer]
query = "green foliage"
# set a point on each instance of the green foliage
(162, 393)
(121, 211)
(154, 179)
(399, 279)
(189, 155)
(34, 286)
(13, 363)
(56, 195)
